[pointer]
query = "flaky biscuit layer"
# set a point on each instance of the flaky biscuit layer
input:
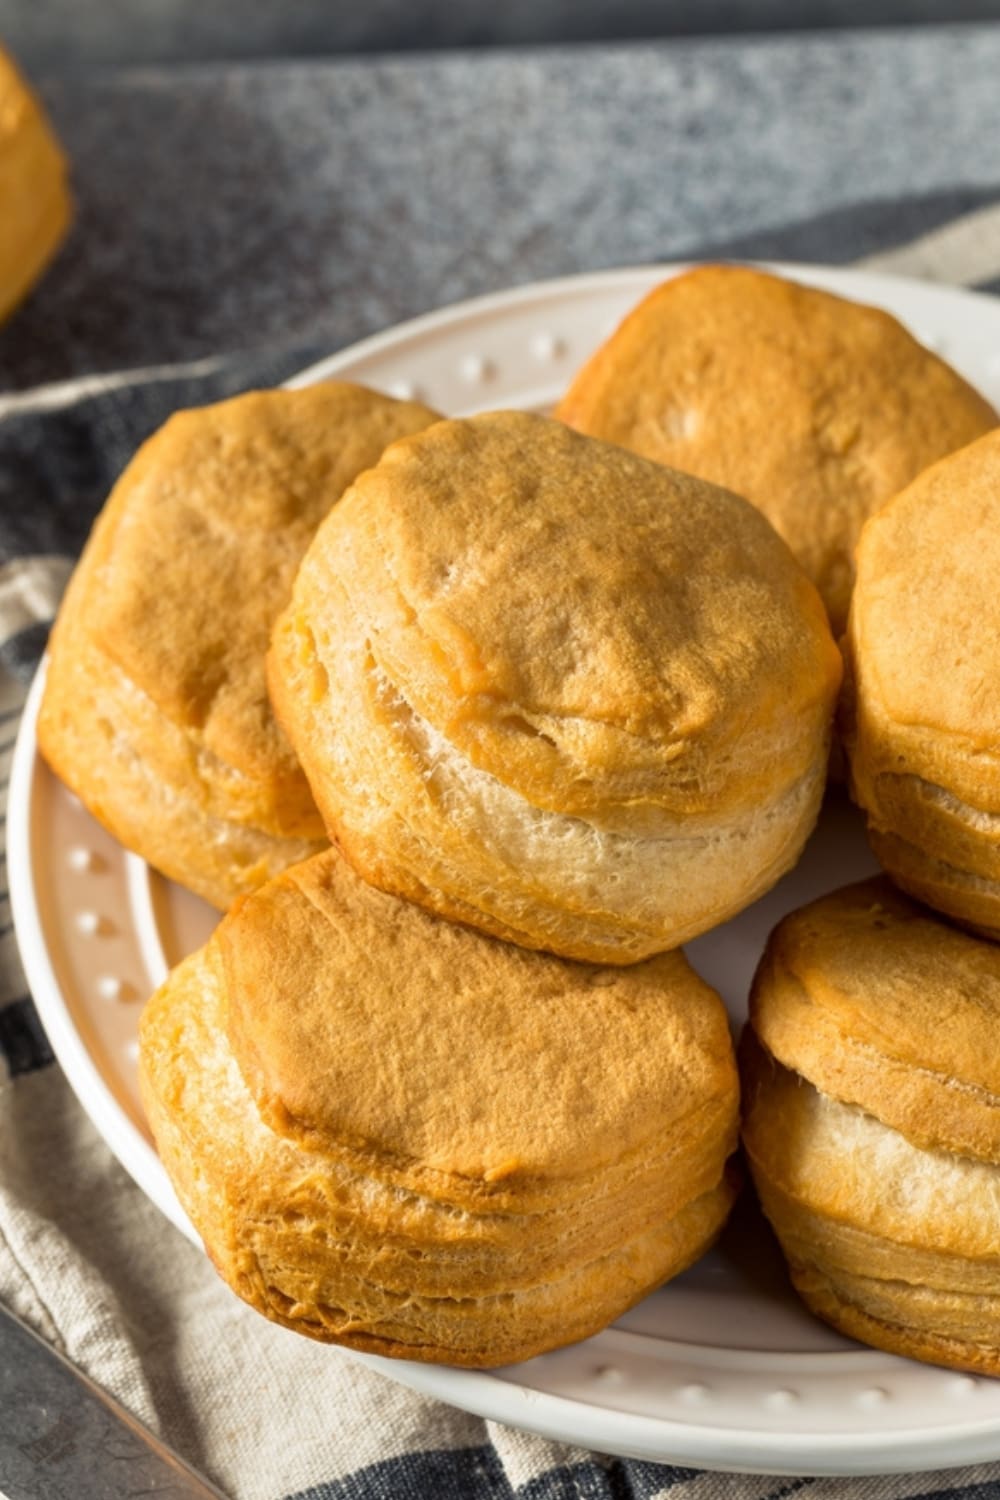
(410, 1138)
(550, 689)
(894, 1245)
(872, 1121)
(851, 992)
(922, 703)
(155, 709)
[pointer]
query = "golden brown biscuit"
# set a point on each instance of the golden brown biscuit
(35, 206)
(545, 687)
(872, 1121)
(400, 1135)
(815, 408)
(155, 710)
(922, 714)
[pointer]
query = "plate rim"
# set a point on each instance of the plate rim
(126, 1143)
(561, 1418)
(585, 283)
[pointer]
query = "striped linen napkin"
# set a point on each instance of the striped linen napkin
(84, 1257)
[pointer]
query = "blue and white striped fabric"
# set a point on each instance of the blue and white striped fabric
(83, 1256)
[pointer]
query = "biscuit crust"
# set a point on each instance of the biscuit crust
(35, 204)
(921, 715)
(872, 1121)
(549, 688)
(155, 710)
(817, 409)
(539, 1145)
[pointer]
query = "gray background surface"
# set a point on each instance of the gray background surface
(227, 207)
(68, 34)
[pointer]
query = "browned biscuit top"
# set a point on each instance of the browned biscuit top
(815, 408)
(879, 1003)
(925, 626)
(592, 629)
(361, 1021)
(199, 545)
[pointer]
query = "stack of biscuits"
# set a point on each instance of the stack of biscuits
(560, 699)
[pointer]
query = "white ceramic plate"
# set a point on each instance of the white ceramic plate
(722, 1368)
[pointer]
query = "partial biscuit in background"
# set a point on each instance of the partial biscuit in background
(155, 711)
(815, 408)
(35, 205)
(400, 1135)
(921, 720)
(871, 1083)
(545, 687)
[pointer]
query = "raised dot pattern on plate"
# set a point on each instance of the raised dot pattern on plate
(476, 369)
(111, 987)
(547, 346)
(92, 924)
(96, 930)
